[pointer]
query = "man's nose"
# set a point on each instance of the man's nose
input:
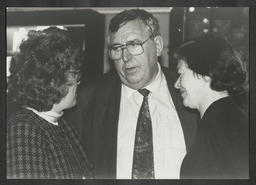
(126, 56)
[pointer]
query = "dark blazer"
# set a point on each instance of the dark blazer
(97, 115)
(221, 147)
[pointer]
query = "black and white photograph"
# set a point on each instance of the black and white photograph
(128, 94)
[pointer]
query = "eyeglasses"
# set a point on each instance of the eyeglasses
(74, 74)
(133, 47)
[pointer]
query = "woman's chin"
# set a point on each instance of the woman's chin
(185, 103)
(73, 104)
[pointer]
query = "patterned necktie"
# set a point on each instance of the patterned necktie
(143, 161)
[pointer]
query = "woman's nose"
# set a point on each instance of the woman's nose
(177, 83)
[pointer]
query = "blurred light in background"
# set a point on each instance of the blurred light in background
(191, 9)
(205, 30)
(215, 30)
(17, 38)
(206, 21)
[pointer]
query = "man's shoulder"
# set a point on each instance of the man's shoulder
(170, 72)
(108, 80)
(103, 85)
(112, 75)
(170, 75)
(99, 81)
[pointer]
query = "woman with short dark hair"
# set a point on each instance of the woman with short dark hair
(44, 76)
(213, 80)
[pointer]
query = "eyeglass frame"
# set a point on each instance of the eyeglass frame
(76, 74)
(124, 46)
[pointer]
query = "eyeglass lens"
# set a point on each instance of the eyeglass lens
(75, 75)
(134, 49)
(116, 52)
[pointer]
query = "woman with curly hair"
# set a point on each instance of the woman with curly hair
(44, 76)
(213, 81)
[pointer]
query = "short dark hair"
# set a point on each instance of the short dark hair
(38, 72)
(212, 56)
(135, 14)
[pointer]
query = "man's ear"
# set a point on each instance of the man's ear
(159, 44)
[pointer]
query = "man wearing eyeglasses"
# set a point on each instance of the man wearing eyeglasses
(112, 135)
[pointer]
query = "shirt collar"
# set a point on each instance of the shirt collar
(155, 85)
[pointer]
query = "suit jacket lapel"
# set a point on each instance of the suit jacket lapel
(110, 126)
(188, 118)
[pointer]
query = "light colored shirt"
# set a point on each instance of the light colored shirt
(168, 139)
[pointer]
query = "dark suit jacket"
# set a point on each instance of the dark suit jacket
(221, 147)
(96, 116)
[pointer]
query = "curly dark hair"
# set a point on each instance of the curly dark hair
(212, 56)
(135, 14)
(38, 72)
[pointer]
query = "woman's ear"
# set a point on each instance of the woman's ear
(206, 78)
(159, 44)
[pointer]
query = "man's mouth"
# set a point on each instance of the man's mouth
(130, 69)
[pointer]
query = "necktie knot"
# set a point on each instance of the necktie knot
(144, 92)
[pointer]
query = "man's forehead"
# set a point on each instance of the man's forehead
(130, 31)
(125, 37)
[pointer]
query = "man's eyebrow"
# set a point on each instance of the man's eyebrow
(128, 42)
(133, 41)
(114, 45)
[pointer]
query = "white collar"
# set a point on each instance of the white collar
(49, 116)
